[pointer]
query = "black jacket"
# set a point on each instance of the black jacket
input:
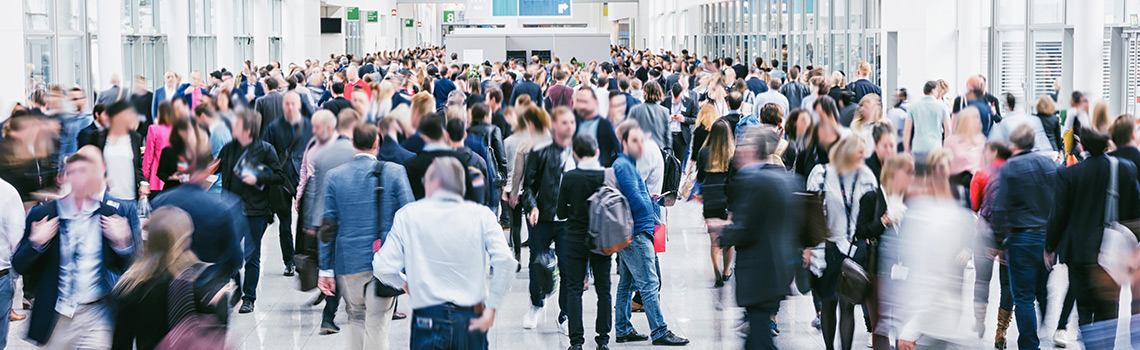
(875, 165)
(417, 167)
(100, 140)
(573, 201)
(542, 180)
(1052, 125)
(869, 224)
(732, 118)
(259, 155)
(608, 144)
(337, 104)
(764, 234)
(689, 110)
(494, 138)
(1077, 224)
(527, 87)
(87, 134)
(168, 166)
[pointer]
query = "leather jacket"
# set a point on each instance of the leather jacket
(543, 179)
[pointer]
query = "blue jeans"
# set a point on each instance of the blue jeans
(252, 246)
(7, 292)
(1027, 278)
(637, 270)
(445, 327)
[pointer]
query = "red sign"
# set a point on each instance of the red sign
(393, 12)
(419, 24)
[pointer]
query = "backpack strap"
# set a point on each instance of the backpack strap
(610, 178)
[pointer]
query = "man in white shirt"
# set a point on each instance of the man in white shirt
(773, 95)
(11, 230)
(445, 278)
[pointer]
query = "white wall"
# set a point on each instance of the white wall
(12, 62)
(928, 44)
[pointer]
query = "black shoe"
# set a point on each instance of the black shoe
(632, 337)
(525, 243)
(290, 270)
(246, 306)
(575, 347)
(399, 315)
(328, 327)
(320, 299)
(603, 347)
(670, 339)
(719, 282)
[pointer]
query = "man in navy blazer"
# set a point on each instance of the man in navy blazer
(589, 123)
(166, 92)
(527, 86)
(73, 251)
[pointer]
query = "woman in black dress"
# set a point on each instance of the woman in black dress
(714, 171)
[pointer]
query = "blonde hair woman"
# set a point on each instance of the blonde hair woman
(966, 146)
(706, 116)
(714, 168)
(869, 113)
(1100, 119)
(844, 182)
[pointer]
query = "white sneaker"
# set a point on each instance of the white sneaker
(1060, 338)
(564, 326)
(870, 341)
(531, 319)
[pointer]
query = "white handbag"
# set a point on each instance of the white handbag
(1118, 245)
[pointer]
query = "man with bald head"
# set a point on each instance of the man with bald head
(355, 83)
(289, 136)
(328, 149)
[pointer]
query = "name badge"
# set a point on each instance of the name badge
(899, 272)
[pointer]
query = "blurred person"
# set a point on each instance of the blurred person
(637, 261)
(862, 86)
(715, 168)
(933, 253)
(823, 136)
(121, 146)
(114, 93)
(74, 272)
(847, 176)
(1014, 118)
(596, 126)
(705, 119)
(1073, 119)
(526, 86)
(818, 87)
(763, 231)
(773, 95)
(798, 131)
(653, 118)
(271, 105)
(1047, 113)
(11, 231)
(422, 106)
(432, 260)
(734, 101)
(355, 221)
(539, 199)
(498, 117)
(682, 115)
(533, 126)
(559, 95)
(141, 99)
(434, 131)
(984, 189)
(976, 97)
(1020, 216)
(193, 93)
(72, 123)
(165, 277)
(173, 161)
(1077, 234)
(478, 172)
(883, 136)
(482, 126)
(354, 83)
(617, 107)
(965, 146)
(249, 168)
(100, 120)
(897, 114)
(794, 90)
(1100, 119)
(869, 114)
(576, 258)
(927, 123)
(879, 223)
(157, 139)
(338, 102)
(289, 136)
(390, 149)
(223, 105)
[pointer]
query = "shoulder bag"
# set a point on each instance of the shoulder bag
(382, 290)
(854, 284)
(1118, 245)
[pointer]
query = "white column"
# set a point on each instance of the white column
(969, 35)
(12, 62)
(262, 27)
(1087, 19)
(176, 21)
(224, 31)
(110, 44)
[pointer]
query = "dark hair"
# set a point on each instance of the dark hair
(98, 109)
(881, 130)
(793, 117)
(585, 146)
(1077, 96)
(252, 122)
(734, 100)
(771, 114)
(480, 111)
(1095, 142)
(177, 143)
(827, 104)
(271, 83)
(119, 107)
(455, 129)
(494, 92)
(929, 87)
(902, 97)
(677, 90)
(203, 109)
(1002, 149)
(1010, 100)
(432, 126)
(623, 83)
(338, 88)
(1123, 129)
(364, 136)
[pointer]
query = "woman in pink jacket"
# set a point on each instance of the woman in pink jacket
(157, 138)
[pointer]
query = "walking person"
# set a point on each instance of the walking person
(121, 145)
(715, 170)
(1020, 218)
(433, 260)
(880, 217)
(289, 136)
(157, 139)
(575, 258)
(850, 179)
(637, 263)
(984, 190)
(11, 231)
(354, 219)
(927, 122)
(249, 168)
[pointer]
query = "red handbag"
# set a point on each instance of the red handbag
(659, 238)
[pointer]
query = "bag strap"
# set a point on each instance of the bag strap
(610, 178)
(379, 173)
(1110, 210)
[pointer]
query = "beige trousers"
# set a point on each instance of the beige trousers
(369, 316)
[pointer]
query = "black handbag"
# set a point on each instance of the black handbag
(854, 285)
(813, 227)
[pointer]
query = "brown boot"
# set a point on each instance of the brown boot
(1002, 325)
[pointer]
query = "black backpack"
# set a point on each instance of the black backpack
(672, 177)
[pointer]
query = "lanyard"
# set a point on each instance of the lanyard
(848, 202)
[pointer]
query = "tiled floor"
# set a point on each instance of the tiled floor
(692, 308)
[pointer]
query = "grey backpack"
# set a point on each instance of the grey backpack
(611, 224)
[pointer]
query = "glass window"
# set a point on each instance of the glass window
(202, 53)
(37, 14)
(275, 49)
(275, 9)
(839, 51)
(1011, 62)
(824, 21)
(856, 19)
(855, 52)
(243, 22)
(1011, 11)
(839, 14)
(1051, 11)
(201, 17)
(1046, 61)
(39, 51)
(70, 14)
(71, 66)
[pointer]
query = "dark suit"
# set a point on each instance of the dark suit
(764, 234)
(41, 267)
(1077, 227)
(608, 144)
(527, 87)
(87, 134)
(391, 151)
(689, 110)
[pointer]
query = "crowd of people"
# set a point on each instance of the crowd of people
(137, 221)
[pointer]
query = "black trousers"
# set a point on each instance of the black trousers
(759, 321)
(574, 258)
(285, 232)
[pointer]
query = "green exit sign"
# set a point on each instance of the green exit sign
(373, 16)
(353, 13)
(448, 16)
(408, 22)
(1135, 20)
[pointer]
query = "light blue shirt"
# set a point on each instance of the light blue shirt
(220, 136)
(81, 247)
(589, 127)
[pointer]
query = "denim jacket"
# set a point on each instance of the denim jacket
(633, 188)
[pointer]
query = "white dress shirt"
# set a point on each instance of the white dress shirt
(120, 167)
(80, 252)
(446, 261)
(11, 223)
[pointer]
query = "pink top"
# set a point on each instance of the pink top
(157, 138)
(966, 155)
